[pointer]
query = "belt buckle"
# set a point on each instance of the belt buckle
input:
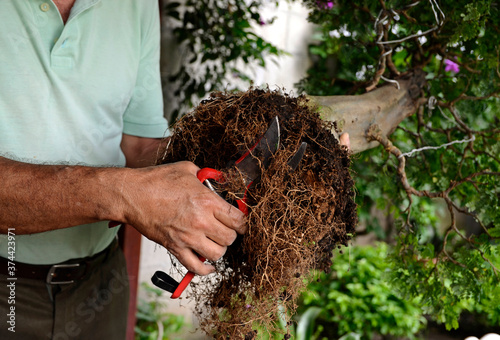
(52, 271)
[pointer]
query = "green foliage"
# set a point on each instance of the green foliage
(488, 307)
(346, 54)
(152, 321)
(444, 246)
(376, 290)
(216, 36)
(473, 20)
(355, 300)
(305, 327)
(444, 251)
(445, 289)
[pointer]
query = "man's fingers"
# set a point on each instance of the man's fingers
(230, 216)
(193, 263)
(209, 249)
(221, 234)
(344, 140)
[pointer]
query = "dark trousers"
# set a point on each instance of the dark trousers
(95, 307)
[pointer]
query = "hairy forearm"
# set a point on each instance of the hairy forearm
(37, 198)
(166, 203)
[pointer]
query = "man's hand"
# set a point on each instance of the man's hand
(169, 205)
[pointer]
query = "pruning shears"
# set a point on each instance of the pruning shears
(250, 166)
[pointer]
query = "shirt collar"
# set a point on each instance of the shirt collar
(81, 6)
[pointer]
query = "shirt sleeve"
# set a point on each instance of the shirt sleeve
(144, 114)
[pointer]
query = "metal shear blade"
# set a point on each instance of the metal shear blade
(297, 157)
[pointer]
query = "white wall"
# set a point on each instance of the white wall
(290, 32)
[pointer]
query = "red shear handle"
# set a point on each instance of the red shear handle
(218, 176)
(203, 175)
(208, 173)
(185, 282)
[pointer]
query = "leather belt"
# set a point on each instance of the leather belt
(61, 273)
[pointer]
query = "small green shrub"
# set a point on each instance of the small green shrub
(355, 302)
(152, 322)
(485, 307)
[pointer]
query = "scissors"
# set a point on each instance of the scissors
(165, 281)
(249, 165)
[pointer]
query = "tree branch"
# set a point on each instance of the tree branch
(386, 106)
(374, 133)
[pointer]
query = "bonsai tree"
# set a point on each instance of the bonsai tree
(416, 85)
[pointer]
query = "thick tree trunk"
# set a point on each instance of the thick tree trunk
(386, 106)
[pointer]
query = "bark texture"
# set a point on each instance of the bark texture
(386, 106)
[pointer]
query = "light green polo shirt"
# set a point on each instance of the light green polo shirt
(68, 92)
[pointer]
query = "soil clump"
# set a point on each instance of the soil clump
(295, 218)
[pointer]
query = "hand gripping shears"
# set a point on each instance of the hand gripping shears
(165, 281)
(249, 165)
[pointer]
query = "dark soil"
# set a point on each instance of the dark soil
(295, 219)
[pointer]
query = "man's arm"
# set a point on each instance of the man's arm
(167, 204)
(36, 198)
(140, 152)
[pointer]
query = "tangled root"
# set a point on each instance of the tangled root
(295, 218)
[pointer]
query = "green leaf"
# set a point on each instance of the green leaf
(305, 325)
